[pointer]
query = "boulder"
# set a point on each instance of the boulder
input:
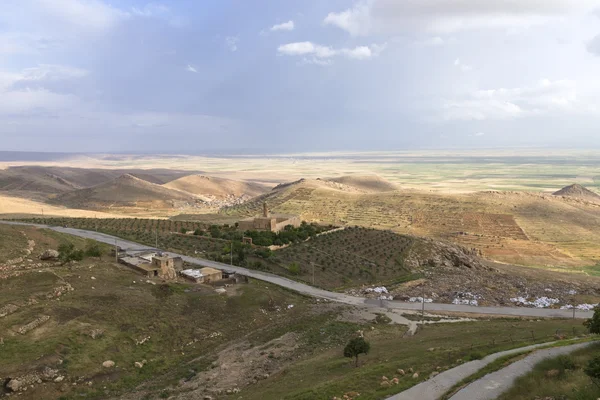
(108, 364)
(415, 375)
(401, 372)
(49, 255)
(385, 384)
(14, 385)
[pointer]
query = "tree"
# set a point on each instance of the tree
(593, 370)
(92, 249)
(593, 324)
(183, 230)
(67, 252)
(356, 347)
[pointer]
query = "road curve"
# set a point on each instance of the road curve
(437, 386)
(493, 385)
(316, 292)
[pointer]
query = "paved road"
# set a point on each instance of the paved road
(493, 385)
(437, 386)
(320, 293)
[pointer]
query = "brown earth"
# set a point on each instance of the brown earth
(577, 191)
(219, 188)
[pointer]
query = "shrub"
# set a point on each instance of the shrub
(593, 324)
(593, 370)
(294, 269)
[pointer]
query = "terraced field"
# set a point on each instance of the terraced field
(514, 227)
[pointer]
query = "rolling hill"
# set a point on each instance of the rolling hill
(126, 190)
(218, 188)
(368, 183)
(577, 191)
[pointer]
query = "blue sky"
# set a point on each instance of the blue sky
(195, 76)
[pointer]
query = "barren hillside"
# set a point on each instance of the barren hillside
(219, 188)
(577, 191)
(368, 183)
(125, 190)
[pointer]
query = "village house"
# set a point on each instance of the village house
(203, 275)
(152, 264)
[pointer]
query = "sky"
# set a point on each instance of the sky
(197, 76)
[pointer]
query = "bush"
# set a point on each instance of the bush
(294, 269)
(474, 355)
(593, 324)
(593, 369)
(92, 249)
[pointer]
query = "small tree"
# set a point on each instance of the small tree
(593, 324)
(294, 269)
(356, 347)
(67, 252)
(92, 249)
(183, 230)
(593, 370)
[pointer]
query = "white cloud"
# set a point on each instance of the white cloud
(231, 42)
(546, 97)
(191, 68)
(52, 72)
(479, 134)
(286, 26)
(84, 14)
(445, 16)
(462, 66)
(150, 10)
(319, 52)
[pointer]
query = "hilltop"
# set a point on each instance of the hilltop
(578, 192)
(367, 183)
(126, 190)
(218, 188)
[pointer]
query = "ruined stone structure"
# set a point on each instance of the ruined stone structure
(168, 266)
(267, 222)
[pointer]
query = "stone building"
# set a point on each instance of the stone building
(269, 222)
(169, 266)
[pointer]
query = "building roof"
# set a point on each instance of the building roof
(138, 262)
(192, 273)
(210, 271)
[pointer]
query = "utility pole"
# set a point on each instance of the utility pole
(116, 252)
(313, 273)
(231, 253)
(42, 213)
(423, 304)
(156, 238)
(573, 312)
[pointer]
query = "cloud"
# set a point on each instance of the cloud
(231, 42)
(151, 10)
(190, 68)
(319, 52)
(52, 72)
(286, 26)
(478, 134)
(546, 97)
(447, 16)
(84, 14)
(463, 67)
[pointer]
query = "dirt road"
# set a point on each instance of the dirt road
(320, 293)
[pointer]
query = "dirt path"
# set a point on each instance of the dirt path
(434, 388)
(493, 385)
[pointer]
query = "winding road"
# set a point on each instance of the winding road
(320, 293)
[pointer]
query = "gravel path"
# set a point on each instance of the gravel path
(320, 293)
(434, 388)
(493, 385)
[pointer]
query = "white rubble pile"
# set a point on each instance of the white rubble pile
(379, 289)
(580, 307)
(419, 300)
(539, 302)
(467, 298)
(385, 298)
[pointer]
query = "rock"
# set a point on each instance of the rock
(431, 349)
(410, 370)
(49, 255)
(384, 378)
(96, 333)
(59, 379)
(138, 364)
(553, 373)
(395, 381)
(415, 375)
(385, 384)
(207, 397)
(49, 373)
(14, 385)
(108, 364)
(401, 372)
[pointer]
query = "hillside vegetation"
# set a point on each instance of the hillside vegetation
(523, 228)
